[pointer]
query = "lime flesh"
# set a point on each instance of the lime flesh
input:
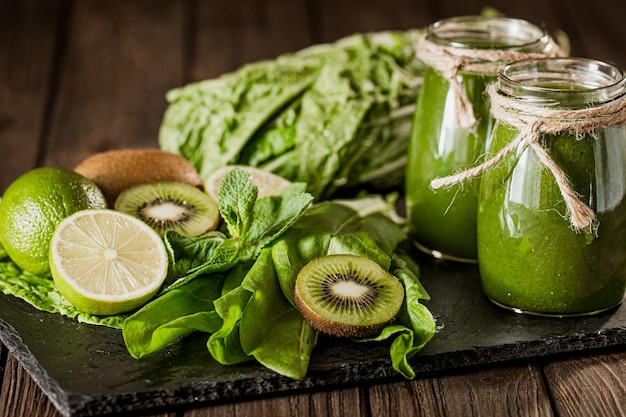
(106, 262)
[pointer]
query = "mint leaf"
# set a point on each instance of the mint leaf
(273, 216)
(237, 196)
(191, 257)
(252, 225)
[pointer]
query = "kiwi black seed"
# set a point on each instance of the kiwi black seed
(171, 205)
(347, 295)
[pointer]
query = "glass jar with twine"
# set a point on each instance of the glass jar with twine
(552, 207)
(452, 122)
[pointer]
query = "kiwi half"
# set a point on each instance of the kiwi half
(171, 205)
(347, 295)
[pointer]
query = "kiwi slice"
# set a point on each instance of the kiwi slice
(347, 295)
(170, 205)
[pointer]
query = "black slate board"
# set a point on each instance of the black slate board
(85, 370)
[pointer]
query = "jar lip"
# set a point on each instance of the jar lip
(471, 23)
(554, 80)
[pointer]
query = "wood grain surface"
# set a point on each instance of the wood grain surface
(82, 76)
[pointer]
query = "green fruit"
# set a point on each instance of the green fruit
(171, 206)
(32, 207)
(105, 262)
(116, 170)
(347, 295)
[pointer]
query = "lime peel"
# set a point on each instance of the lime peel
(34, 204)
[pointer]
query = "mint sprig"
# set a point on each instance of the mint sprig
(251, 223)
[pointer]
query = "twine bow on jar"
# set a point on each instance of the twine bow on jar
(450, 60)
(533, 121)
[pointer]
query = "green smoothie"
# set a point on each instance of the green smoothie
(444, 220)
(530, 258)
(463, 55)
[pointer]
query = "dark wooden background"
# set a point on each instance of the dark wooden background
(82, 76)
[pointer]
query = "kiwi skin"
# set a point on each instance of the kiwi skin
(334, 327)
(116, 170)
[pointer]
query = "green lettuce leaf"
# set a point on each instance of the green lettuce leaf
(415, 325)
(271, 329)
(225, 343)
(333, 228)
(41, 293)
(173, 315)
(211, 121)
(332, 115)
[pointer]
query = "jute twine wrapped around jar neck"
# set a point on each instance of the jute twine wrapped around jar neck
(449, 60)
(532, 121)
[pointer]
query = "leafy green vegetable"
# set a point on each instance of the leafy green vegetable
(41, 293)
(225, 344)
(173, 315)
(415, 325)
(191, 257)
(331, 115)
(246, 102)
(271, 329)
(333, 228)
(236, 284)
(251, 223)
(207, 273)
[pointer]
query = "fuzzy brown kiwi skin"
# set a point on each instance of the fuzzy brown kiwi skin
(116, 170)
(332, 328)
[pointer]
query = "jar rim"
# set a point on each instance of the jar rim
(563, 81)
(475, 32)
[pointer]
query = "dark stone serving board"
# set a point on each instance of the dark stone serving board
(85, 370)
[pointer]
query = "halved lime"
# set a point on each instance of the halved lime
(106, 262)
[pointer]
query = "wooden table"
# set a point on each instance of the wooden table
(80, 76)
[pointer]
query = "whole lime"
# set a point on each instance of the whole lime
(32, 207)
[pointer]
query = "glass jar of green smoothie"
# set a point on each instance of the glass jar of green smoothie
(552, 206)
(452, 121)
